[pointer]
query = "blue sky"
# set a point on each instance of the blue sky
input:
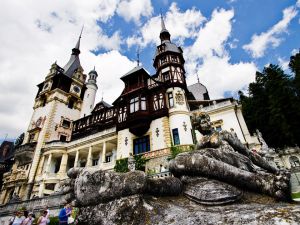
(224, 42)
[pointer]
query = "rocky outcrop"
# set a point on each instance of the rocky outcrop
(123, 211)
(94, 186)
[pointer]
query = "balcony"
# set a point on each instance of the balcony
(14, 177)
(24, 153)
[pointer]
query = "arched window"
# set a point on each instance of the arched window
(294, 161)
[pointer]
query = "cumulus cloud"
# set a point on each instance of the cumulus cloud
(134, 9)
(35, 34)
(284, 63)
(209, 59)
(272, 37)
(180, 24)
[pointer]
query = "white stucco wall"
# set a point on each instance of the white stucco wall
(183, 123)
(157, 141)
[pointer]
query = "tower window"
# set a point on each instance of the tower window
(171, 100)
(31, 138)
(63, 138)
(141, 145)
(163, 60)
(44, 101)
(174, 59)
(66, 123)
(176, 139)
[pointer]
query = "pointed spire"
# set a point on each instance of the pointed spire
(138, 56)
(76, 50)
(164, 33)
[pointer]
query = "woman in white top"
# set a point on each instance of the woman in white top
(18, 219)
(43, 219)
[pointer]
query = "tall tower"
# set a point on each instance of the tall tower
(90, 94)
(169, 65)
(57, 103)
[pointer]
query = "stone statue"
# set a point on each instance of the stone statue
(131, 162)
(220, 155)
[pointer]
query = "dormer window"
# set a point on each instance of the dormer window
(71, 104)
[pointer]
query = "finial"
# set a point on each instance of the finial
(78, 42)
(102, 97)
(138, 56)
(198, 78)
(94, 68)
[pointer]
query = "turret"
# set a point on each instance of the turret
(90, 94)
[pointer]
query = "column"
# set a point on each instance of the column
(3, 195)
(103, 152)
(40, 169)
(76, 159)
(89, 161)
(63, 163)
(41, 189)
(49, 163)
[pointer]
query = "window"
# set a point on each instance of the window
(163, 60)
(155, 102)
(66, 124)
(50, 186)
(141, 145)
(31, 138)
(44, 101)
(176, 139)
(161, 100)
(134, 105)
(95, 162)
(71, 104)
(108, 158)
(143, 103)
(63, 138)
(166, 76)
(171, 100)
(174, 59)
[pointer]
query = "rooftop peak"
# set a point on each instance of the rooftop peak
(164, 33)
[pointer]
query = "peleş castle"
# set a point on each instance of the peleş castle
(67, 129)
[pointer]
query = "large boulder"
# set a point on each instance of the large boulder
(123, 211)
(209, 192)
(94, 186)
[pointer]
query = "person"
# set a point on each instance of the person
(43, 220)
(17, 219)
(48, 211)
(28, 220)
(64, 214)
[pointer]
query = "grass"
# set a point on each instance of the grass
(296, 195)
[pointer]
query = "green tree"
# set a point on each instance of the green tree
(272, 107)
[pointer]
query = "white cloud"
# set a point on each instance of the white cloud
(34, 34)
(208, 58)
(134, 9)
(181, 25)
(284, 63)
(260, 43)
(295, 50)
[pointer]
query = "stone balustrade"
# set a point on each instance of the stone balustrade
(53, 202)
(14, 176)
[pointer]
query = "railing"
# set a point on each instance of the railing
(26, 147)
